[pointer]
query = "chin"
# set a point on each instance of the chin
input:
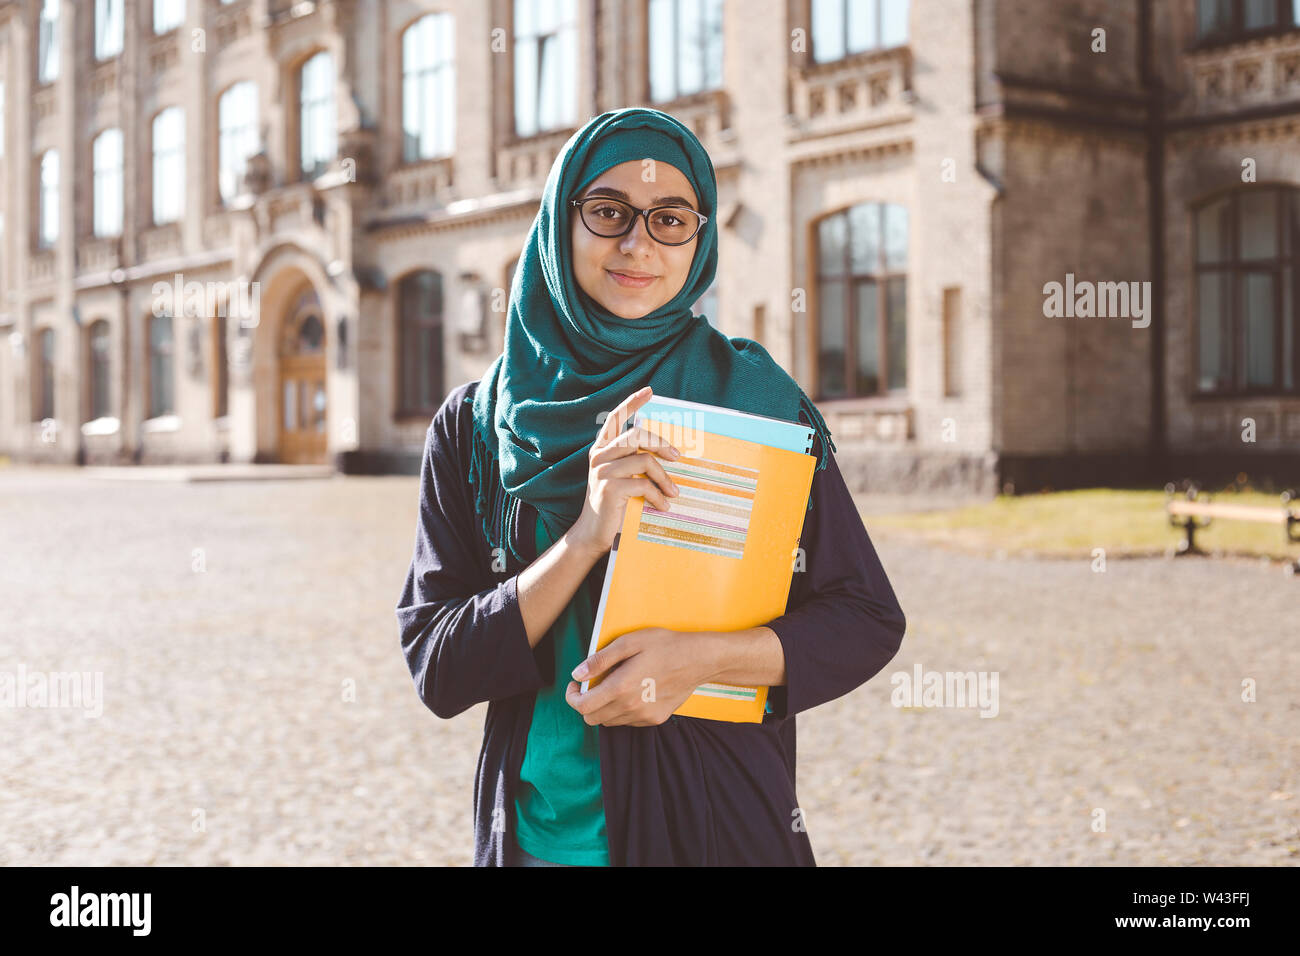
(630, 310)
(631, 313)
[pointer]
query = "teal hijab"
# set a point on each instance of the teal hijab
(566, 359)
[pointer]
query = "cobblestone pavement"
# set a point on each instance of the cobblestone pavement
(229, 619)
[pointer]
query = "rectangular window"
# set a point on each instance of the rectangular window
(109, 26)
(1259, 14)
(546, 65)
(1223, 21)
(237, 137)
(167, 15)
(100, 361)
(161, 395)
(47, 53)
(428, 88)
(169, 165)
(420, 380)
(952, 342)
(48, 224)
(685, 47)
(842, 27)
(861, 259)
(1247, 262)
(318, 115)
(106, 158)
(43, 400)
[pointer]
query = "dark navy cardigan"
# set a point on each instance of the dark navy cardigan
(689, 791)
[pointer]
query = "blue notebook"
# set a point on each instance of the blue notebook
(775, 432)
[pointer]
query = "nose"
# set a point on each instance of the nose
(637, 240)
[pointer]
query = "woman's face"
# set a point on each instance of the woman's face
(632, 275)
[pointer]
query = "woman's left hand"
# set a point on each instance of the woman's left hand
(648, 674)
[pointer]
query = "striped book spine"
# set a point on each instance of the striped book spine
(712, 512)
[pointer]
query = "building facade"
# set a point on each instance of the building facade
(266, 230)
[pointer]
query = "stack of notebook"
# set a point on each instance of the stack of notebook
(721, 558)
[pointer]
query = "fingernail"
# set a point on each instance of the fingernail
(580, 672)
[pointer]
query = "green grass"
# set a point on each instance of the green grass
(1072, 523)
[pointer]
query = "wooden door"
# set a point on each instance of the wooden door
(302, 391)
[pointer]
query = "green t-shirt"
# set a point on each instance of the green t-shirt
(559, 811)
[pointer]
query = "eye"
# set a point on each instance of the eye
(667, 219)
(611, 212)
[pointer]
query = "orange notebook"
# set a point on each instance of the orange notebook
(721, 558)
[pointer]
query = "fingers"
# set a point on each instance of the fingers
(600, 705)
(619, 416)
(628, 442)
(614, 652)
(626, 471)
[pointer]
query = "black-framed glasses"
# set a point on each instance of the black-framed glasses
(610, 218)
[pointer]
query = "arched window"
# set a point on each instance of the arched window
(106, 158)
(161, 366)
(237, 136)
(43, 379)
(317, 115)
(168, 165)
(419, 299)
(428, 88)
(100, 365)
(862, 301)
(48, 220)
(1248, 291)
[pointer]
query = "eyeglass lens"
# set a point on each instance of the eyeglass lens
(669, 224)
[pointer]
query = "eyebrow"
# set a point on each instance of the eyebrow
(657, 201)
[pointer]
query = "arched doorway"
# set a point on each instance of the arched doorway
(302, 394)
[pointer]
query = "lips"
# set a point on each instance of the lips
(632, 280)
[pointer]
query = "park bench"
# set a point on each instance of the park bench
(1193, 510)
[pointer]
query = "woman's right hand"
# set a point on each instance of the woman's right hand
(622, 466)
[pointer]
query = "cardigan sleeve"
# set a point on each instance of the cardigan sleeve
(464, 642)
(842, 623)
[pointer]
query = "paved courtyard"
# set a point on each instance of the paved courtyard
(230, 620)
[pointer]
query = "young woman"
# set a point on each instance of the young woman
(525, 477)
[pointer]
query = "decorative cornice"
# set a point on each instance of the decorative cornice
(854, 152)
(1283, 127)
(500, 207)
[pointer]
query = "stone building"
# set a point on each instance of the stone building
(267, 230)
